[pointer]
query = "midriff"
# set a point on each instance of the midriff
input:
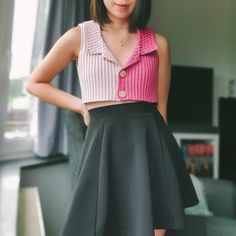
(91, 105)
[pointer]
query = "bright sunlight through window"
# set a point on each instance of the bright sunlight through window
(20, 121)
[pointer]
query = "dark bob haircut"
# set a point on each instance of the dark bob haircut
(138, 19)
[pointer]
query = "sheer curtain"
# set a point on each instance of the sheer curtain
(52, 134)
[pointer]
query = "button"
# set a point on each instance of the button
(123, 73)
(122, 93)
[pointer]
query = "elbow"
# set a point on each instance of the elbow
(29, 86)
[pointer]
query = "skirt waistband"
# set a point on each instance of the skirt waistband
(124, 109)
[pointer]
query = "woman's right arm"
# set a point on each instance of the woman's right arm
(65, 50)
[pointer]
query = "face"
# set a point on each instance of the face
(120, 9)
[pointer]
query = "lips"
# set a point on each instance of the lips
(121, 5)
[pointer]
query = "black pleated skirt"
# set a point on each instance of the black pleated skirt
(131, 178)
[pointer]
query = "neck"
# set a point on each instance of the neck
(117, 25)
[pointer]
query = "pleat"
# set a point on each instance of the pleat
(129, 195)
(81, 216)
(186, 188)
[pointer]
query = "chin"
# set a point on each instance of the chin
(118, 10)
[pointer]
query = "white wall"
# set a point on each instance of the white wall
(200, 33)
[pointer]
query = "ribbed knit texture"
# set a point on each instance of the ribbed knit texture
(100, 74)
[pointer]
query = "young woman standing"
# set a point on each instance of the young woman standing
(132, 179)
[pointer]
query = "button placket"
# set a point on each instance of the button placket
(121, 92)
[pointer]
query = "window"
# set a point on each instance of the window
(20, 106)
(25, 25)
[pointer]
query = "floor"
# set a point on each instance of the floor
(10, 173)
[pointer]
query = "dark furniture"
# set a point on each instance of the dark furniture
(227, 131)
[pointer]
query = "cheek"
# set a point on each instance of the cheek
(107, 3)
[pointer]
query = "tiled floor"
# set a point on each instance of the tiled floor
(9, 191)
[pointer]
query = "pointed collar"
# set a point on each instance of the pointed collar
(147, 41)
(96, 45)
(93, 37)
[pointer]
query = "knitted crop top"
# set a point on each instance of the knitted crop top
(102, 78)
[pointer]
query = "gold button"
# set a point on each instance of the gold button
(122, 93)
(123, 73)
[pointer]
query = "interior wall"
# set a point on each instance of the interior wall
(200, 33)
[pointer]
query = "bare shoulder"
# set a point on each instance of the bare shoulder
(72, 38)
(74, 33)
(162, 42)
(69, 43)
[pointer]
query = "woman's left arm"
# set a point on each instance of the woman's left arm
(164, 74)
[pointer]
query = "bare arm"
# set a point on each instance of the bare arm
(164, 75)
(64, 51)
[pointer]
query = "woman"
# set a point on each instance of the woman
(131, 179)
